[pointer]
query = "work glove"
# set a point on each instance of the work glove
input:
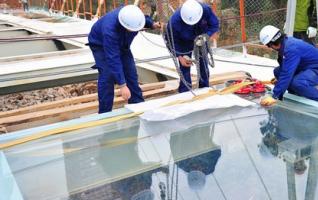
(273, 81)
(268, 101)
(311, 32)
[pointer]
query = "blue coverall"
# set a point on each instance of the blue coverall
(183, 38)
(110, 44)
(298, 70)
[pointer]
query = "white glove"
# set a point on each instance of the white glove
(311, 32)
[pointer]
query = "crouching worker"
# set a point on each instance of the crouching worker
(298, 66)
(109, 40)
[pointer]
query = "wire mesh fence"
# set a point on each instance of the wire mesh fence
(261, 13)
(240, 20)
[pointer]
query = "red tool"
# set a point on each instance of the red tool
(257, 87)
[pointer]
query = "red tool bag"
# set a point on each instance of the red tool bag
(257, 87)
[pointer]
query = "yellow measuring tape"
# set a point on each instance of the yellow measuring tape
(227, 90)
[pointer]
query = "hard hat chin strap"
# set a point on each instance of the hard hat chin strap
(276, 37)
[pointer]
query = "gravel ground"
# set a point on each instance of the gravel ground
(24, 99)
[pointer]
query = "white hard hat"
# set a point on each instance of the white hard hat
(269, 34)
(196, 179)
(191, 12)
(132, 18)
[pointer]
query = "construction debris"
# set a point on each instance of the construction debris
(24, 99)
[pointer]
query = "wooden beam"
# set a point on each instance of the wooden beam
(80, 106)
(71, 101)
(216, 79)
(28, 120)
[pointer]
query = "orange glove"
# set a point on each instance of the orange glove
(268, 101)
(273, 81)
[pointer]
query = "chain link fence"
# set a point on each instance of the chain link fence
(240, 20)
(261, 13)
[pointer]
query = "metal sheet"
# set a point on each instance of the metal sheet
(31, 47)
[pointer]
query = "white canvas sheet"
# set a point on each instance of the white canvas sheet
(154, 110)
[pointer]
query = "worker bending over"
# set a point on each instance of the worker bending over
(298, 65)
(110, 39)
(188, 22)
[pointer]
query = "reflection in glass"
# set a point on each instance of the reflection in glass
(292, 136)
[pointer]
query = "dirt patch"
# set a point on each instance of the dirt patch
(5, 4)
(24, 99)
(32, 15)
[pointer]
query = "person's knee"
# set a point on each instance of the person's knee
(302, 88)
(298, 85)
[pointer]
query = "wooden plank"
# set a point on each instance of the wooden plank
(216, 79)
(66, 113)
(71, 101)
(57, 114)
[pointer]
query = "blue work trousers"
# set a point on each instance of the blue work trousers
(204, 71)
(106, 80)
(305, 84)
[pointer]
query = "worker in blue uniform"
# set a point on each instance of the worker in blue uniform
(188, 22)
(109, 40)
(298, 65)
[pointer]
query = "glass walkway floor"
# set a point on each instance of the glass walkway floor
(235, 153)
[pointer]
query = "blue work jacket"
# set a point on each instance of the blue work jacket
(184, 34)
(295, 56)
(109, 34)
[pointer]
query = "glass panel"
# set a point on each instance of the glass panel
(234, 153)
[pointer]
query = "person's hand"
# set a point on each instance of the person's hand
(214, 36)
(156, 25)
(125, 92)
(185, 62)
(268, 101)
(273, 81)
(311, 32)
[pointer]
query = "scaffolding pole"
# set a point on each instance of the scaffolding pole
(290, 17)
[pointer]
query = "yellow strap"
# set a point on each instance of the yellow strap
(67, 129)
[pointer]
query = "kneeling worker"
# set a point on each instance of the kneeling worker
(298, 65)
